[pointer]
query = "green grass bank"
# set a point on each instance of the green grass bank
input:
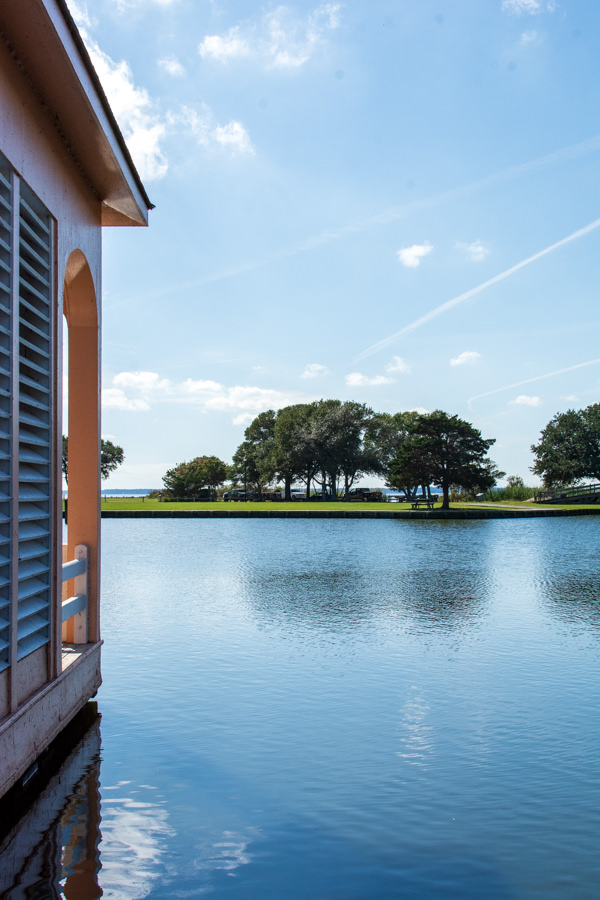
(137, 507)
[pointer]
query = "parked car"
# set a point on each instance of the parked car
(363, 494)
(234, 494)
(240, 494)
(298, 494)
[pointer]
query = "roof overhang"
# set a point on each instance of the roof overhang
(51, 54)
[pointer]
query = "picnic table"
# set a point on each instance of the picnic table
(417, 502)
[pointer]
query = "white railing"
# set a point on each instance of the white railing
(74, 607)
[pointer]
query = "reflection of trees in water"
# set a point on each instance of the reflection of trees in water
(569, 571)
(445, 598)
(313, 599)
(448, 596)
(574, 597)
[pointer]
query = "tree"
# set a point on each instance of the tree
(446, 451)
(187, 480)
(385, 434)
(254, 459)
(295, 452)
(111, 457)
(569, 447)
(338, 438)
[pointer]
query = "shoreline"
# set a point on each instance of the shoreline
(237, 513)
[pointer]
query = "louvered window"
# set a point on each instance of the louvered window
(6, 207)
(35, 410)
(26, 268)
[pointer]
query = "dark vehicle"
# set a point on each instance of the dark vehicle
(234, 495)
(366, 495)
(238, 494)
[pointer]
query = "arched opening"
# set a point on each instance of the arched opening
(83, 425)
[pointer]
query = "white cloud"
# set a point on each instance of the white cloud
(115, 398)
(208, 133)
(468, 358)
(356, 379)
(243, 419)
(145, 382)
(224, 48)
(475, 251)
(280, 40)
(144, 125)
(398, 365)
(412, 256)
(139, 391)
(80, 13)
(530, 37)
(140, 121)
(527, 7)
(210, 395)
(313, 370)
(234, 137)
(524, 400)
(172, 66)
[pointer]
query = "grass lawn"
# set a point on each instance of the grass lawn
(141, 503)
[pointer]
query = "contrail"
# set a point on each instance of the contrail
(507, 387)
(432, 314)
(394, 213)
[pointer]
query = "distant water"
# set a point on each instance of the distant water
(121, 492)
(339, 710)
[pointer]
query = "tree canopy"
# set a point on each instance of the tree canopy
(323, 441)
(569, 447)
(111, 457)
(188, 480)
(445, 451)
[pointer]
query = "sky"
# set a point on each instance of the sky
(394, 202)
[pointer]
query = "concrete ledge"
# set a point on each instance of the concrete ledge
(273, 513)
(30, 730)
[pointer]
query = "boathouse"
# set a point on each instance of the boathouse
(65, 173)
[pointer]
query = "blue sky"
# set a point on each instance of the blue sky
(389, 202)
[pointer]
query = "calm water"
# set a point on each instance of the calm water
(362, 710)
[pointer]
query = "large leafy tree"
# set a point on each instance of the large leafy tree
(385, 435)
(338, 439)
(569, 447)
(111, 457)
(187, 480)
(445, 451)
(295, 446)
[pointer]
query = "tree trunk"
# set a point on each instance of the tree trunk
(288, 488)
(333, 487)
(445, 492)
(308, 481)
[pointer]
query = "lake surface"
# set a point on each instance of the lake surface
(343, 710)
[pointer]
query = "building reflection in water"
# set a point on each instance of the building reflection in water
(53, 851)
